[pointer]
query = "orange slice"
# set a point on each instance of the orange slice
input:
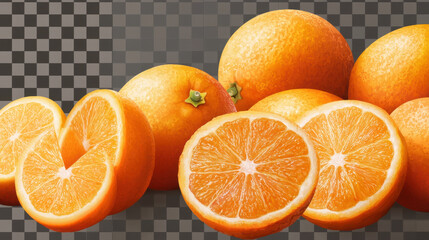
(362, 164)
(248, 174)
(113, 124)
(21, 121)
(64, 199)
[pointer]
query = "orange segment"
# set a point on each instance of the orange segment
(293, 169)
(114, 125)
(362, 163)
(64, 199)
(248, 174)
(235, 140)
(96, 123)
(23, 120)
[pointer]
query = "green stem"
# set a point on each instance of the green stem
(234, 91)
(196, 98)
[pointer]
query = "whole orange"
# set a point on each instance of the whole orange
(281, 50)
(394, 69)
(292, 104)
(167, 95)
(412, 119)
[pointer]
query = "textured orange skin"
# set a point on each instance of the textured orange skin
(291, 104)
(285, 49)
(135, 169)
(139, 154)
(161, 92)
(412, 120)
(8, 194)
(394, 69)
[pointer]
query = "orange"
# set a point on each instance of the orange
(21, 121)
(281, 50)
(113, 124)
(64, 198)
(164, 94)
(248, 174)
(412, 120)
(291, 104)
(394, 69)
(362, 164)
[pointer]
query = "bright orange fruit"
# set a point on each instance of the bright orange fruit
(114, 124)
(64, 198)
(292, 104)
(362, 164)
(21, 121)
(412, 120)
(248, 174)
(164, 95)
(394, 69)
(281, 50)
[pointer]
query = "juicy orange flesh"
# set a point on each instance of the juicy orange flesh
(95, 124)
(19, 126)
(53, 189)
(354, 152)
(247, 169)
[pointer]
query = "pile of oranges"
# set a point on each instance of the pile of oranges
(295, 148)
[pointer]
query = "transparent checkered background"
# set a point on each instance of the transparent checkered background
(64, 50)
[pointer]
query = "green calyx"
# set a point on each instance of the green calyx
(196, 98)
(235, 92)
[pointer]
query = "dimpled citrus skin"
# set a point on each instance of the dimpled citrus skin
(412, 120)
(161, 93)
(285, 49)
(292, 104)
(394, 69)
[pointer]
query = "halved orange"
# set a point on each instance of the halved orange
(362, 164)
(20, 122)
(114, 124)
(248, 174)
(64, 198)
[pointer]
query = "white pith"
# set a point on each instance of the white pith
(337, 160)
(14, 136)
(248, 167)
(64, 173)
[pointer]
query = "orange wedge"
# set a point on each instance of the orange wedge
(21, 121)
(248, 174)
(113, 124)
(64, 199)
(362, 164)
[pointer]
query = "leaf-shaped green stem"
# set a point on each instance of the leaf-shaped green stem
(196, 98)
(234, 91)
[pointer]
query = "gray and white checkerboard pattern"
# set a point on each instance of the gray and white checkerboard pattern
(64, 50)
(53, 49)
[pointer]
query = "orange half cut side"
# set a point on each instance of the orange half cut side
(362, 164)
(111, 123)
(21, 122)
(64, 199)
(248, 174)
